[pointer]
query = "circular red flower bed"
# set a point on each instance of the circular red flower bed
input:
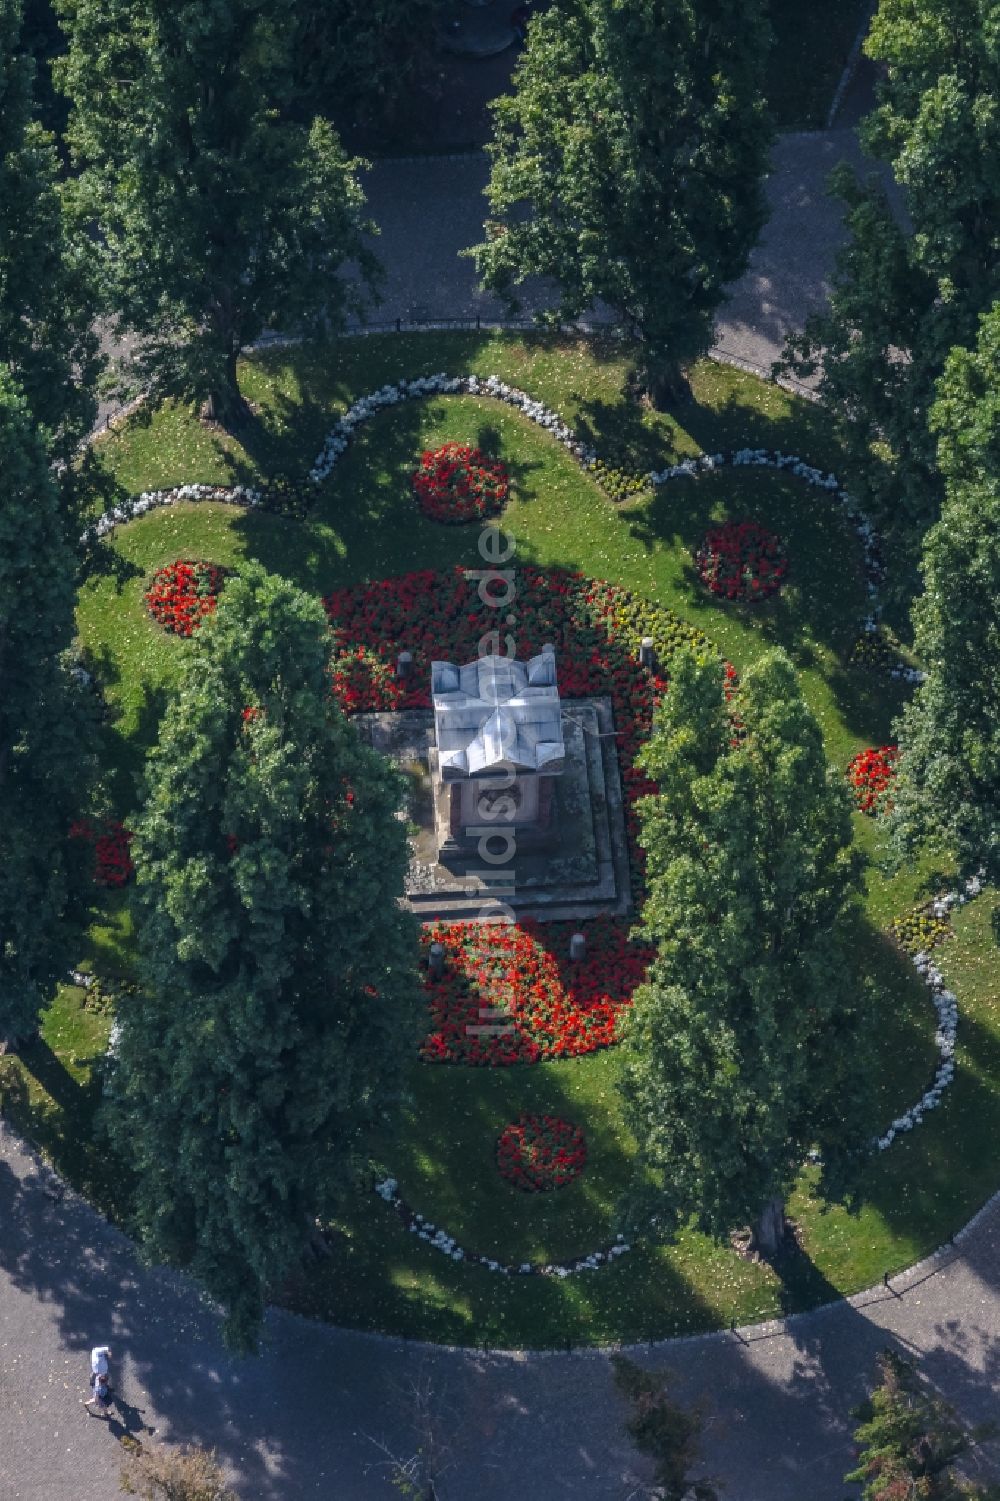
(456, 483)
(741, 560)
(183, 593)
(541, 1152)
(871, 774)
(556, 1009)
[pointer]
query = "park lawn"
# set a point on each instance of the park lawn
(364, 525)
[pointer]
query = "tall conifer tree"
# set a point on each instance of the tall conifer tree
(279, 992)
(744, 1047)
(46, 272)
(905, 295)
(947, 792)
(45, 725)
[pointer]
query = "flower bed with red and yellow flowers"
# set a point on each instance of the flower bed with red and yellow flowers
(182, 593)
(538, 1153)
(741, 560)
(557, 1009)
(112, 861)
(871, 774)
(456, 483)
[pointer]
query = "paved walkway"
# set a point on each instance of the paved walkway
(430, 208)
(303, 1420)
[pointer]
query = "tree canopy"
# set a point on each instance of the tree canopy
(46, 272)
(45, 725)
(909, 1439)
(218, 214)
(743, 1049)
(627, 167)
(278, 972)
(361, 63)
(947, 792)
(905, 294)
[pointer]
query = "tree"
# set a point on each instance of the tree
(361, 62)
(218, 215)
(163, 1474)
(947, 792)
(662, 1429)
(904, 297)
(45, 727)
(46, 273)
(744, 1047)
(278, 971)
(908, 1440)
(627, 167)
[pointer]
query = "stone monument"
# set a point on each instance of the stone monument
(498, 745)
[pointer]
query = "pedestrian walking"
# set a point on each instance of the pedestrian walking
(100, 1363)
(101, 1400)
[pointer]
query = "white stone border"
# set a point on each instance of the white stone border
(388, 1190)
(151, 500)
(946, 1006)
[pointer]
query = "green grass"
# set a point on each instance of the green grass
(53, 1087)
(364, 526)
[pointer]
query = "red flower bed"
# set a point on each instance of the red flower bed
(183, 593)
(557, 1009)
(456, 483)
(871, 774)
(740, 560)
(112, 861)
(540, 1152)
(510, 994)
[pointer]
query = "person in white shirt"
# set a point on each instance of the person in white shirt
(100, 1362)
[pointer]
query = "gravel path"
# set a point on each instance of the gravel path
(304, 1419)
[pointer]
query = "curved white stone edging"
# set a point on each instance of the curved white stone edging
(388, 1190)
(946, 1006)
(151, 500)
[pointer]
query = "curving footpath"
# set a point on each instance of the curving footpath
(305, 1418)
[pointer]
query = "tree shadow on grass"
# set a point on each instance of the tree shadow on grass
(364, 522)
(869, 703)
(125, 769)
(820, 603)
(930, 1184)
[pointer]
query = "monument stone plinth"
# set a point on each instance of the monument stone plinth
(498, 745)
